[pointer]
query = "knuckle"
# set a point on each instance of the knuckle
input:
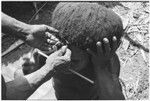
(65, 58)
(68, 58)
(43, 25)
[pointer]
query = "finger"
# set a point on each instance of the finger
(99, 48)
(54, 47)
(51, 36)
(67, 56)
(44, 47)
(90, 52)
(114, 47)
(51, 29)
(61, 51)
(51, 42)
(58, 46)
(48, 35)
(106, 46)
(54, 38)
(68, 53)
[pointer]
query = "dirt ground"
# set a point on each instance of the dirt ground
(134, 61)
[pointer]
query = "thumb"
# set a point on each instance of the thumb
(62, 51)
(51, 29)
(68, 53)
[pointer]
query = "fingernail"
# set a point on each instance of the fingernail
(88, 49)
(64, 47)
(56, 30)
(52, 42)
(114, 38)
(49, 49)
(105, 40)
(98, 43)
(55, 39)
(48, 40)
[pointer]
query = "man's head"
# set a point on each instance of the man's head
(82, 24)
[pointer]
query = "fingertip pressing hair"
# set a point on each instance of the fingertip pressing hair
(83, 24)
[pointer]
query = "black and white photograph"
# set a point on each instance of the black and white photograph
(75, 50)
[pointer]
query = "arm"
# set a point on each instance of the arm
(34, 35)
(21, 88)
(108, 87)
(14, 27)
(107, 77)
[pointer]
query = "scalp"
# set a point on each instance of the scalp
(83, 23)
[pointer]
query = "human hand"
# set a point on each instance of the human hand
(38, 36)
(62, 56)
(107, 69)
(102, 57)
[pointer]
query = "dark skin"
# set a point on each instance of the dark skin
(107, 80)
(107, 77)
(37, 36)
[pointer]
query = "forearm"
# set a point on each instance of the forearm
(12, 26)
(108, 87)
(38, 77)
(21, 88)
(18, 89)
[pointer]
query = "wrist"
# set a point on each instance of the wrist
(24, 31)
(48, 69)
(99, 67)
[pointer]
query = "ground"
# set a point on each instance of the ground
(134, 61)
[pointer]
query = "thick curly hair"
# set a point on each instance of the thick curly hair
(83, 24)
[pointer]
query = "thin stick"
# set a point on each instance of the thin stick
(41, 53)
(14, 46)
(72, 71)
(83, 77)
(37, 12)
